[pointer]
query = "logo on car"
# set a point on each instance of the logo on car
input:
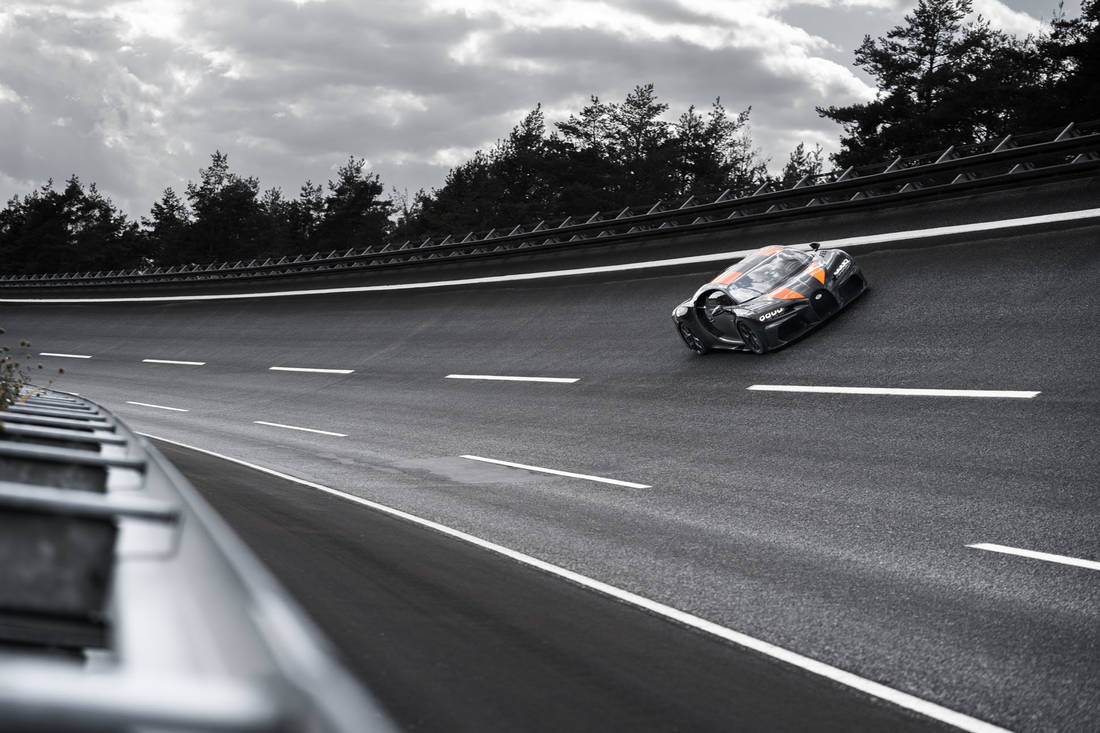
(771, 314)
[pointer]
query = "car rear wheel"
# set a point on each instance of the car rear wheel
(750, 339)
(693, 342)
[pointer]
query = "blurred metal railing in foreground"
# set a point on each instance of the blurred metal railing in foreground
(127, 604)
(1011, 161)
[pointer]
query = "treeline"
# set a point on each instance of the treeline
(606, 157)
(942, 80)
(222, 217)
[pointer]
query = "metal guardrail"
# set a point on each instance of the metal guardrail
(127, 604)
(1070, 151)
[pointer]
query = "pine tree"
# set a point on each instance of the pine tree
(228, 220)
(167, 227)
(305, 214)
(941, 82)
(801, 163)
(354, 215)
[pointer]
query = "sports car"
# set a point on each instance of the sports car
(770, 298)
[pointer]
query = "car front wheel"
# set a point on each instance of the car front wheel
(693, 342)
(750, 338)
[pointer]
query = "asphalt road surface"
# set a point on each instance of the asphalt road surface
(453, 638)
(834, 525)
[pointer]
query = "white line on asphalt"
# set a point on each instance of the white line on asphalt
(555, 472)
(173, 361)
(1063, 559)
(66, 356)
(847, 243)
(159, 407)
(897, 697)
(304, 430)
(308, 369)
(559, 380)
(894, 391)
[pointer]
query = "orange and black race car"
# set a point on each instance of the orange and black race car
(768, 299)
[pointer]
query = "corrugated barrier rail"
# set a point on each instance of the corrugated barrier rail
(127, 604)
(1011, 161)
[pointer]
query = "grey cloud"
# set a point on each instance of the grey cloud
(313, 80)
(77, 106)
(681, 74)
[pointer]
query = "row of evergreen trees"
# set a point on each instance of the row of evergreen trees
(607, 157)
(942, 80)
(222, 217)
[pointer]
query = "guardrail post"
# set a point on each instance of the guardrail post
(948, 154)
(1068, 132)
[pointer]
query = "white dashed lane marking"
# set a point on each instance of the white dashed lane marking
(900, 392)
(555, 472)
(1032, 554)
(492, 377)
(304, 430)
(310, 369)
(158, 407)
(173, 361)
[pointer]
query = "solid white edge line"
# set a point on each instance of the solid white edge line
(895, 391)
(304, 430)
(173, 361)
(555, 472)
(875, 689)
(65, 356)
(159, 407)
(1048, 557)
(309, 369)
(847, 242)
(557, 380)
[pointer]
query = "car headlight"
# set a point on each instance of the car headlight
(680, 312)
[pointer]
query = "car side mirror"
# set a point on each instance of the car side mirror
(815, 246)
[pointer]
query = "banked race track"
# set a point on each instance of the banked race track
(640, 538)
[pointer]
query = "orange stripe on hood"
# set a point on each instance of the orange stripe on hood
(817, 271)
(785, 294)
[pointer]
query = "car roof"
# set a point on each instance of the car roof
(732, 273)
(742, 284)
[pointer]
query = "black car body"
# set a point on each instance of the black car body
(770, 298)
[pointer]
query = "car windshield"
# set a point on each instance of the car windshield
(772, 272)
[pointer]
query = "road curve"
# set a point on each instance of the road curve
(835, 525)
(453, 638)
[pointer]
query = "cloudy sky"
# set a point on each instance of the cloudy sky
(136, 95)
